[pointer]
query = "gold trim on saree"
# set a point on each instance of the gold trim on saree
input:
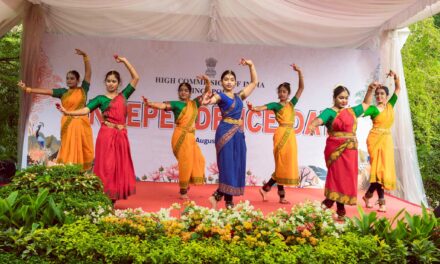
(115, 126)
(349, 143)
(231, 190)
(233, 121)
(340, 197)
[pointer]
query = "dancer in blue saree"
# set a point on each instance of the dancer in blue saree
(229, 138)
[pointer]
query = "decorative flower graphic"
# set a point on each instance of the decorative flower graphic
(251, 179)
(172, 173)
(156, 176)
(213, 170)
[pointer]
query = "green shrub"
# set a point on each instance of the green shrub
(29, 211)
(76, 192)
(84, 241)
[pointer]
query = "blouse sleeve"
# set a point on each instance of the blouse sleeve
(58, 92)
(173, 104)
(358, 110)
(371, 111)
(273, 106)
(326, 115)
(393, 100)
(197, 101)
(85, 85)
(294, 100)
(94, 103)
(129, 90)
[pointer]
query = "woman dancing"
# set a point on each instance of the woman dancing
(340, 152)
(229, 137)
(380, 144)
(113, 163)
(284, 139)
(190, 159)
(76, 133)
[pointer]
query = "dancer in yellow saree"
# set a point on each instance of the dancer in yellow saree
(284, 139)
(76, 133)
(190, 159)
(380, 144)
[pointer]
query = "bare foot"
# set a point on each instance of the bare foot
(284, 201)
(367, 202)
(340, 218)
(382, 208)
(184, 197)
(263, 194)
(213, 202)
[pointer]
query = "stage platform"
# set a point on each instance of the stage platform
(152, 196)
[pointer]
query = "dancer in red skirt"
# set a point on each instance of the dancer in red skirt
(340, 152)
(113, 163)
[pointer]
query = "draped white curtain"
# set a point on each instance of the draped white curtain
(311, 23)
(405, 152)
(33, 29)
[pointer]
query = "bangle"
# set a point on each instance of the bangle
(86, 58)
(28, 90)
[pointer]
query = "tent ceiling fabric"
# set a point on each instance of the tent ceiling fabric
(311, 23)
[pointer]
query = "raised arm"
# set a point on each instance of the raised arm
(207, 99)
(207, 83)
(396, 82)
(256, 108)
(26, 89)
(254, 79)
(162, 106)
(130, 68)
(369, 95)
(87, 66)
(300, 81)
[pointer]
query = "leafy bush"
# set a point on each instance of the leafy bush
(84, 241)
(416, 235)
(76, 192)
(26, 212)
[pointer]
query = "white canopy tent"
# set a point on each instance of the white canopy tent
(365, 24)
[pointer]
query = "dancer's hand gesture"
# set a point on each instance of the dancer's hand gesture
(295, 67)
(60, 108)
(250, 106)
(22, 85)
(373, 86)
(311, 129)
(203, 77)
(119, 59)
(145, 100)
(80, 52)
(392, 75)
(244, 62)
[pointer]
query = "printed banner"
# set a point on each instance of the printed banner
(162, 66)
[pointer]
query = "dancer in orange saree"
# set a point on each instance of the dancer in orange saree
(113, 163)
(190, 159)
(380, 144)
(340, 152)
(76, 133)
(284, 139)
